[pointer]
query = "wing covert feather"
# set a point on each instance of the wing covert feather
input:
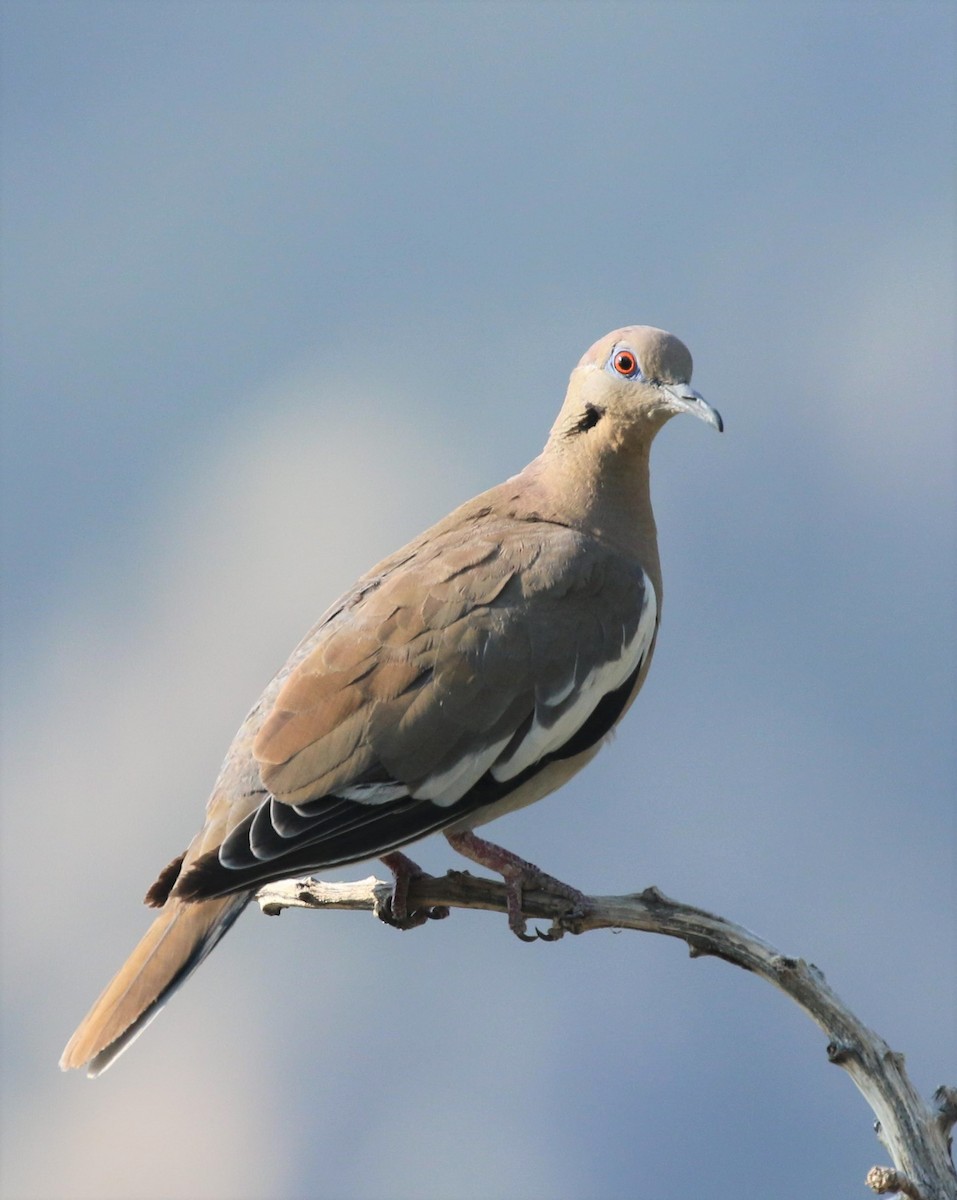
(433, 691)
(443, 661)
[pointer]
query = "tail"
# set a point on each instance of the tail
(172, 948)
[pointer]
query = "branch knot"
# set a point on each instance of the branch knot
(887, 1179)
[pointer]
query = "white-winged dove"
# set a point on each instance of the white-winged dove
(472, 672)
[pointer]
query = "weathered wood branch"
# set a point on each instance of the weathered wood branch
(915, 1133)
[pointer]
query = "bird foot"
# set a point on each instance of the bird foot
(520, 876)
(395, 910)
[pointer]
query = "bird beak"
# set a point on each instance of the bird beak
(686, 399)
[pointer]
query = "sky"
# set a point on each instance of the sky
(282, 283)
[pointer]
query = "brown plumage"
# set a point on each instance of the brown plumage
(469, 674)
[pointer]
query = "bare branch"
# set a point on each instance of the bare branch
(916, 1136)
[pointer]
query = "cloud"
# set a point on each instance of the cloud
(113, 742)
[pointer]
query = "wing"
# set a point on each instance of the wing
(433, 692)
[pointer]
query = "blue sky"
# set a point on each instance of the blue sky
(283, 282)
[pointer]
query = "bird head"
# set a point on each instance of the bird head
(638, 377)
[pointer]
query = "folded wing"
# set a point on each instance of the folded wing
(433, 692)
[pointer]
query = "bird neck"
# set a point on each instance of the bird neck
(603, 487)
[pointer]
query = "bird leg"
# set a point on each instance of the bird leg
(396, 911)
(519, 876)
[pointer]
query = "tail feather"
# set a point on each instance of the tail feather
(171, 949)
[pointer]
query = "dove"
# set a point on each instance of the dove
(469, 674)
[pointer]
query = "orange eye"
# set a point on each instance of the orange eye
(625, 363)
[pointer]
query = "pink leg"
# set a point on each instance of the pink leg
(519, 876)
(405, 870)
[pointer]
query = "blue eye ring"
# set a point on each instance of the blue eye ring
(625, 364)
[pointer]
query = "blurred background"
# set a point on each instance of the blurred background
(282, 283)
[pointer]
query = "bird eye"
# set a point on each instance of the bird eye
(626, 364)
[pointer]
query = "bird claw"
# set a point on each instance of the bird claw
(560, 925)
(522, 935)
(394, 910)
(411, 920)
(536, 880)
(554, 933)
(520, 876)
